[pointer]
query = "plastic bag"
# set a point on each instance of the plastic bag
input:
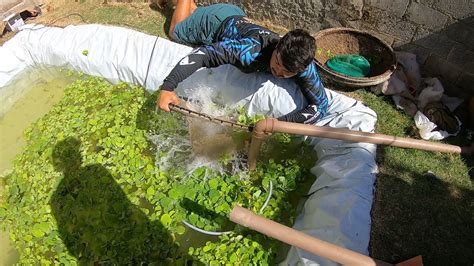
(350, 65)
(431, 93)
(427, 128)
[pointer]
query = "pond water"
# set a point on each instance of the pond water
(31, 96)
(8, 254)
(22, 103)
(38, 90)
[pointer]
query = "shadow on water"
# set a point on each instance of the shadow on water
(425, 216)
(96, 221)
(192, 206)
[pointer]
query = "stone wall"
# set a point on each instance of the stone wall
(440, 32)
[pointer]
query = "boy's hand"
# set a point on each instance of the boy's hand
(165, 98)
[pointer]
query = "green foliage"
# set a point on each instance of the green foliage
(207, 204)
(235, 250)
(244, 118)
(328, 52)
(282, 137)
(86, 189)
(61, 201)
(85, 52)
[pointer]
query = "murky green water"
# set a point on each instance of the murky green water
(8, 255)
(24, 101)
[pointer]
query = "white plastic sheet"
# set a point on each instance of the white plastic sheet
(112, 52)
(338, 209)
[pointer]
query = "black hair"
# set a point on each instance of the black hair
(296, 50)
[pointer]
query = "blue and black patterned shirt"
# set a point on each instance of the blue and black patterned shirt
(249, 47)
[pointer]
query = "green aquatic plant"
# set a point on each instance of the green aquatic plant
(236, 250)
(48, 225)
(86, 189)
(244, 118)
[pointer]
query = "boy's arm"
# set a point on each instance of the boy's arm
(235, 52)
(313, 89)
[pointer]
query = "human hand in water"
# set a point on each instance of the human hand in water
(165, 98)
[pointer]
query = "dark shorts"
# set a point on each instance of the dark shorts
(201, 27)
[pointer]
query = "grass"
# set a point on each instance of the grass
(424, 201)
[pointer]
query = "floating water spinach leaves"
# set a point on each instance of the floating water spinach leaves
(86, 189)
(244, 118)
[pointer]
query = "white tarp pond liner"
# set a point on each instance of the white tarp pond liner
(338, 209)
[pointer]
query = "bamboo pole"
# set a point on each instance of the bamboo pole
(271, 125)
(301, 240)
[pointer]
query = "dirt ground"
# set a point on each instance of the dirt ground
(134, 15)
(130, 14)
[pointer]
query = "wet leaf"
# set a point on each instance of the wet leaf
(166, 219)
(180, 230)
(150, 191)
(214, 183)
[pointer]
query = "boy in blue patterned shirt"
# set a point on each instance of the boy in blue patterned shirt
(226, 36)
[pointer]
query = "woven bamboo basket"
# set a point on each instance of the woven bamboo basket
(335, 41)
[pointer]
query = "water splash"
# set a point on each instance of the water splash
(205, 144)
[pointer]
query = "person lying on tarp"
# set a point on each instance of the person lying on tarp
(226, 36)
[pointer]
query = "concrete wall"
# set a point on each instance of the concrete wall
(440, 32)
